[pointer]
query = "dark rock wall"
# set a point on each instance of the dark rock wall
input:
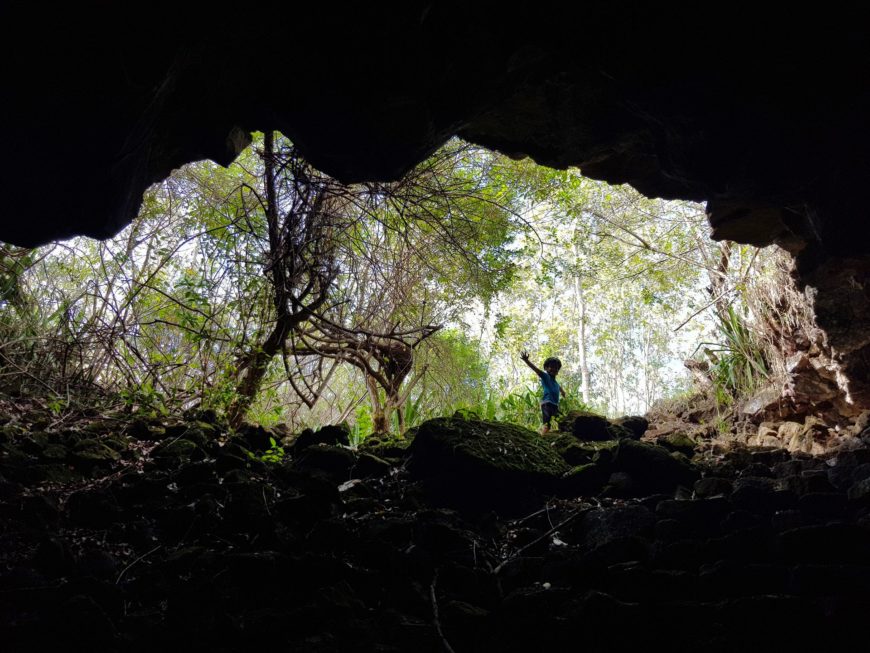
(761, 112)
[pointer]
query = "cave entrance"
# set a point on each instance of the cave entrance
(271, 292)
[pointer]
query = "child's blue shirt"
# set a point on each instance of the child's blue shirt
(551, 389)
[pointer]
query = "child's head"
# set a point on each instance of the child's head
(552, 365)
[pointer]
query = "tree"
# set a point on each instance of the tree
(302, 209)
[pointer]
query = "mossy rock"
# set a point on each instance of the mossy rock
(182, 450)
(635, 424)
(329, 461)
(579, 452)
(141, 429)
(35, 443)
(586, 479)
(570, 449)
(72, 437)
(477, 464)
(206, 415)
(117, 443)
(370, 466)
(678, 442)
(587, 426)
(387, 446)
(198, 436)
(99, 427)
(652, 468)
(331, 434)
(94, 452)
(55, 452)
(10, 432)
(14, 455)
(619, 432)
(500, 447)
(255, 437)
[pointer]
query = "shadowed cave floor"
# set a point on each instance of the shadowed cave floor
(133, 536)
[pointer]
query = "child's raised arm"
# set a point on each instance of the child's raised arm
(524, 356)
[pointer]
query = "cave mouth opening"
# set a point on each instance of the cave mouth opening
(271, 292)
(769, 135)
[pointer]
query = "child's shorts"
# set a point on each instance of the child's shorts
(548, 411)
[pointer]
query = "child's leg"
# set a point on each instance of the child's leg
(548, 412)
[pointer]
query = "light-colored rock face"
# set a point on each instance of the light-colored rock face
(788, 430)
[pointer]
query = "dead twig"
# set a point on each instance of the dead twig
(137, 560)
(537, 540)
(435, 619)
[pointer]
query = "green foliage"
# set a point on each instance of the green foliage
(144, 400)
(737, 363)
(274, 454)
(524, 407)
(413, 413)
(362, 426)
(521, 407)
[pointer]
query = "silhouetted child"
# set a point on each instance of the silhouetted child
(552, 390)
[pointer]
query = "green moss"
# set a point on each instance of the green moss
(94, 451)
(55, 452)
(494, 446)
(579, 452)
(677, 442)
(180, 448)
(387, 446)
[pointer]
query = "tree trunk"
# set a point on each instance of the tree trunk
(255, 367)
(394, 401)
(257, 361)
(380, 418)
(582, 351)
(581, 340)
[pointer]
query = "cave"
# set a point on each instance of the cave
(758, 111)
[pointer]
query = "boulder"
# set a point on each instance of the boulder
(480, 464)
(140, 429)
(677, 442)
(92, 508)
(712, 486)
(652, 468)
(585, 425)
(387, 446)
(636, 424)
(763, 405)
(788, 430)
(332, 462)
(178, 451)
(93, 453)
(370, 466)
(256, 437)
(602, 526)
(333, 434)
(578, 452)
(588, 479)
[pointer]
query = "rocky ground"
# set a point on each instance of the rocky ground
(131, 535)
